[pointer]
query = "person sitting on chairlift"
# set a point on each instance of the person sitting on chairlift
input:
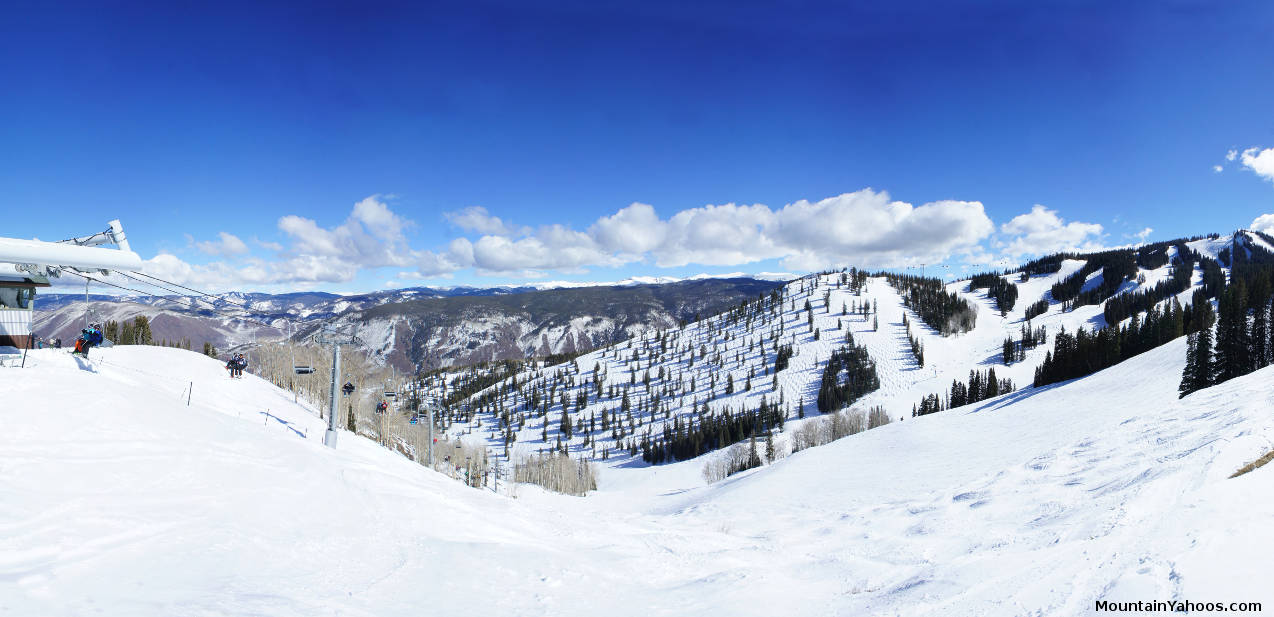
(236, 365)
(89, 337)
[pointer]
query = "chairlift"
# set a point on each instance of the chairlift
(300, 369)
(348, 388)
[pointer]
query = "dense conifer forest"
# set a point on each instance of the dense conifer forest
(1003, 292)
(928, 298)
(848, 376)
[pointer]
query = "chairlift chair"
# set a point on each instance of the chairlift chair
(300, 369)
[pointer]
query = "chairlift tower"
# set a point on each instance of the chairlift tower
(327, 336)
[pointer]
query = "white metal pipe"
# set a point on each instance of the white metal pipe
(329, 439)
(117, 231)
(13, 250)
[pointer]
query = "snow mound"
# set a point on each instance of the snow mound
(118, 498)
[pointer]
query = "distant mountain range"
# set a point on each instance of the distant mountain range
(423, 327)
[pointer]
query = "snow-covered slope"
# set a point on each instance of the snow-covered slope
(120, 499)
(681, 373)
(743, 348)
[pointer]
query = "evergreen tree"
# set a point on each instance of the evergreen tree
(141, 327)
(566, 423)
(1202, 363)
(1188, 374)
(1269, 345)
(1233, 342)
(1260, 298)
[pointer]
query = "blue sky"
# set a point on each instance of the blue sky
(352, 148)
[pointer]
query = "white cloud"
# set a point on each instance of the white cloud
(553, 247)
(477, 219)
(723, 235)
(372, 237)
(1231, 155)
(1216, 168)
(633, 230)
(1261, 162)
(227, 245)
(379, 220)
(1041, 231)
(865, 228)
(269, 246)
(1143, 234)
(1263, 223)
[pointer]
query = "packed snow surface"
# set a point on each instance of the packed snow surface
(117, 498)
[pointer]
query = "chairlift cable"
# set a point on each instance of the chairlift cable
(173, 300)
(221, 296)
(211, 295)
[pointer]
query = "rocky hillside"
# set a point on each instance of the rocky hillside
(457, 331)
(425, 327)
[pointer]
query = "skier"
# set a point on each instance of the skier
(89, 337)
